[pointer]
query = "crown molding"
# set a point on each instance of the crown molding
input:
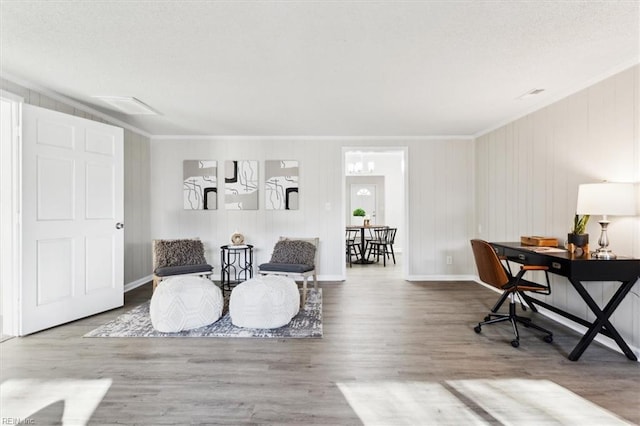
(314, 137)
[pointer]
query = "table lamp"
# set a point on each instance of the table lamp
(606, 199)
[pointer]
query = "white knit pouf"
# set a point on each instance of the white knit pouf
(185, 302)
(268, 301)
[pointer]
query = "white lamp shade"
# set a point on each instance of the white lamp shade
(612, 199)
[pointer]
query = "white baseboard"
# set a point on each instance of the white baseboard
(137, 283)
(440, 278)
(331, 278)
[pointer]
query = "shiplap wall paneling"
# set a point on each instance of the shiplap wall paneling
(422, 210)
(426, 209)
(459, 204)
(441, 206)
(439, 188)
(136, 193)
(539, 161)
(260, 227)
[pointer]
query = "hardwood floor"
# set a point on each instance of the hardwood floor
(377, 328)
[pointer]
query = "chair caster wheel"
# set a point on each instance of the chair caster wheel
(548, 339)
(515, 343)
(487, 318)
(477, 329)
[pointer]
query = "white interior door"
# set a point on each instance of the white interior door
(364, 196)
(72, 204)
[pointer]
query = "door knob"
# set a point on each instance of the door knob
(119, 225)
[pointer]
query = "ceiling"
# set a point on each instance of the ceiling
(318, 68)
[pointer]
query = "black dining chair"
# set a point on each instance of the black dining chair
(352, 245)
(382, 245)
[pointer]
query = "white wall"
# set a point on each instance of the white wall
(439, 188)
(528, 172)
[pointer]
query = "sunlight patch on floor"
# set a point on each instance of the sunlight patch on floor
(473, 402)
(22, 398)
(406, 403)
(534, 402)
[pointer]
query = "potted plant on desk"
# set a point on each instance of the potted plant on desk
(578, 238)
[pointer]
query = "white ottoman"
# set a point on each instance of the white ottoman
(268, 301)
(185, 302)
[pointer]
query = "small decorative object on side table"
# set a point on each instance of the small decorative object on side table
(237, 238)
(236, 265)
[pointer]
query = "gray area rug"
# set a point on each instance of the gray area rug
(137, 323)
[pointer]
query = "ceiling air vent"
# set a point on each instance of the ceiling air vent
(127, 105)
(530, 93)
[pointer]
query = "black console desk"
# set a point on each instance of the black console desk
(579, 269)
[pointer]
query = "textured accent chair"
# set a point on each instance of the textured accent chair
(295, 258)
(492, 272)
(179, 257)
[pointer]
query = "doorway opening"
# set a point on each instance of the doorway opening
(375, 180)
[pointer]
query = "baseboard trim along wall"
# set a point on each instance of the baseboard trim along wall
(441, 278)
(137, 283)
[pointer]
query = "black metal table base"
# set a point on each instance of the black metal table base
(601, 324)
(236, 265)
(363, 261)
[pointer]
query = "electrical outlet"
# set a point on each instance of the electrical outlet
(449, 260)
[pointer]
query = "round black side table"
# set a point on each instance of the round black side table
(236, 265)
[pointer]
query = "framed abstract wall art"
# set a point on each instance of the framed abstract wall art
(241, 185)
(200, 185)
(281, 185)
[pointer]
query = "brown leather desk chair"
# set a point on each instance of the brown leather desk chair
(491, 271)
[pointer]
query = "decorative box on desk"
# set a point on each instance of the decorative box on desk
(539, 241)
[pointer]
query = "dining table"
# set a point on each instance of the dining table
(363, 260)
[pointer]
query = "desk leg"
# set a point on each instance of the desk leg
(602, 320)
